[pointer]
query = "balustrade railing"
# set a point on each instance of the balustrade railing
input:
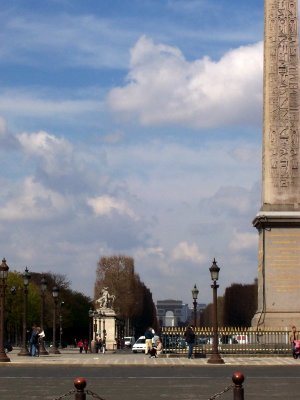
(231, 341)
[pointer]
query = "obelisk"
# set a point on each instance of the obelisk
(278, 221)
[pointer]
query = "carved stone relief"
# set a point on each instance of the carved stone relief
(283, 93)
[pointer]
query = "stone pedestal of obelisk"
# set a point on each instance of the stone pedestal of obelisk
(278, 221)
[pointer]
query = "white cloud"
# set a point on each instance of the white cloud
(143, 253)
(54, 152)
(106, 205)
(187, 251)
(43, 144)
(33, 201)
(113, 138)
(27, 102)
(164, 88)
(243, 241)
(3, 127)
(233, 200)
(246, 153)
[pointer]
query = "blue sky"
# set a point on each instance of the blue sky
(132, 127)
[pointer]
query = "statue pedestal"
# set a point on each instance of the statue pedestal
(106, 327)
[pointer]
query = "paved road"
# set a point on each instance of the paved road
(126, 376)
(29, 382)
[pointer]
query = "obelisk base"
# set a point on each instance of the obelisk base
(278, 270)
(280, 319)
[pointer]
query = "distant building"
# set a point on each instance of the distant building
(172, 312)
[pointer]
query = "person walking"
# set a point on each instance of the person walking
(294, 335)
(190, 338)
(99, 345)
(34, 341)
(148, 336)
(80, 345)
(85, 345)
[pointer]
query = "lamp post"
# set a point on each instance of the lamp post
(43, 287)
(54, 349)
(215, 357)
(101, 315)
(91, 315)
(99, 324)
(3, 277)
(195, 293)
(104, 330)
(24, 349)
(60, 324)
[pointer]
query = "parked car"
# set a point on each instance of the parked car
(181, 343)
(240, 339)
(140, 345)
(201, 340)
(210, 340)
(171, 341)
(129, 341)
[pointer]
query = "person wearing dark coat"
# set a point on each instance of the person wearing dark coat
(190, 338)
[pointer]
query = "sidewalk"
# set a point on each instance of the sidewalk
(120, 358)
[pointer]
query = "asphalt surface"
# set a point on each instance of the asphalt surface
(126, 376)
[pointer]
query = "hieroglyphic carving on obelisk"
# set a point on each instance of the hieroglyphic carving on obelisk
(281, 169)
(278, 222)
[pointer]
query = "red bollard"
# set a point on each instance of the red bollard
(80, 384)
(238, 390)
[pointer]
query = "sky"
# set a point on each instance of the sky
(132, 127)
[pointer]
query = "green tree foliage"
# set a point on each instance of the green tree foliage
(14, 306)
(73, 307)
(133, 299)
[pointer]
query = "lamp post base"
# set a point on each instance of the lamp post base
(3, 357)
(24, 352)
(215, 358)
(43, 351)
(54, 350)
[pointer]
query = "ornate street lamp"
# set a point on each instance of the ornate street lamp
(43, 287)
(60, 324)
(215, 357)
(104, 330)
(98, 323)
(3, 277)
(91, 315)
(195, 293)
(54, 349)
(24, 349)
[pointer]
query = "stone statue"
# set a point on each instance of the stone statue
(106, 300)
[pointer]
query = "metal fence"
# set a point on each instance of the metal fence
(231, 341)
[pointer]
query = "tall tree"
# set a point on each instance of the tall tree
(240, 304)
(133, 299)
